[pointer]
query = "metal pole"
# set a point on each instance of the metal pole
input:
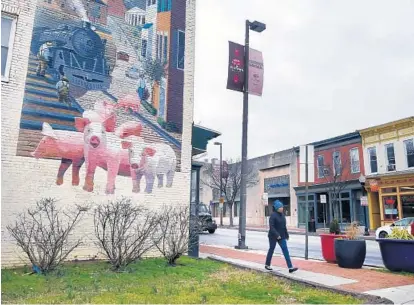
(221, 184)
(366, 232)
(242, 219)
(307, 206)
(193, 249)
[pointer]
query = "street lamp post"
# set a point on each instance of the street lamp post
(362, 182)
(221, 181)
(257, 27)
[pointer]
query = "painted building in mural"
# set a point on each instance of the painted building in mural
(99, 108)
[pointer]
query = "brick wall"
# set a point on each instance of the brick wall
(25, 179)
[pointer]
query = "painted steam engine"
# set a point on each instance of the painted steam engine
(79, 54)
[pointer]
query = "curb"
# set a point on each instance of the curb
(369, 299)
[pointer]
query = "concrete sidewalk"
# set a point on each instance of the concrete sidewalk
(395, 287)
(293, 230)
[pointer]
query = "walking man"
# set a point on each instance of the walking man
(62, 87)
(278, 234)
(44, 56)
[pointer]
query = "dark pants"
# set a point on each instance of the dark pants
(283, 245)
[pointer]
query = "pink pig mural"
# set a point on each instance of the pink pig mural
(69, 147)
(129, 102)
(150, 160)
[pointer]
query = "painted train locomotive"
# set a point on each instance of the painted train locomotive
(79, 54)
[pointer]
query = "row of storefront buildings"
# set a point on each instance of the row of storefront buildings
(381, 157)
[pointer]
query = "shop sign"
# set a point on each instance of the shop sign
(277, 185)
(364, 201)
(391, 211)
(373, 185)
(389, 201)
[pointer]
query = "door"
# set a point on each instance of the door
(161, 110)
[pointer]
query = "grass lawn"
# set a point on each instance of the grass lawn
(151, 281)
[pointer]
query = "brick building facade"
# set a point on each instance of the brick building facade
(33, 110)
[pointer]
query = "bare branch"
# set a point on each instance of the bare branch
(43, 233)
(173, 233)
(123, 231)
(231, 184)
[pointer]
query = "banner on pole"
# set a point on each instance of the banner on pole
(235, 78)
(256, 72)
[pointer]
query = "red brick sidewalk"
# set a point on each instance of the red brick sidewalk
(367, 279)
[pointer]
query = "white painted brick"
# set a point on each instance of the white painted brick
(25, 180)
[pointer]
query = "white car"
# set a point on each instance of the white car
(405, 223)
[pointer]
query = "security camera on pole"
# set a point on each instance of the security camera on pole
(306, 175)
(245, 68)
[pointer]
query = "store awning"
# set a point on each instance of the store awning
(147, 26)
(201, 136)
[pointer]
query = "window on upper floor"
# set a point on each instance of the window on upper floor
(409, 152)
(337, 164)
(180, 50)
(164, 6)
(355, 165)
(372, 155)
(144, 48)
(390, 157)
(8, 26)
(321, 166)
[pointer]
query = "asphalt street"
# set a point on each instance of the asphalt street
(258, 241)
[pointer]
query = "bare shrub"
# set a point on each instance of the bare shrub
(173, 233)
(124, 231)
(43, 233)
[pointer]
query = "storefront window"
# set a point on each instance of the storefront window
(345, 195)
(346, 210)
(406, 189)
(302, 212)
(390, 204)
(407, 202)
(389, 190)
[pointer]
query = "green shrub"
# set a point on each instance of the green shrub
(399, 233)
(334, 227)
(149, 108)
(168, 126)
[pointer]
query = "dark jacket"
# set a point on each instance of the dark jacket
(277, 226)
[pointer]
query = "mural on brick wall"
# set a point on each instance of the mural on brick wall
(104, 89)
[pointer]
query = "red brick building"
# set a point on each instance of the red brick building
(336, 190)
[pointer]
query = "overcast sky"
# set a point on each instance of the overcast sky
(330, 67)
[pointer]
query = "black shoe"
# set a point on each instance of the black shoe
(268, 268)
(291, 270)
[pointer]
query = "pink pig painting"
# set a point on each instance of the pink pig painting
(150, 160)
(102, 149)
(62, 144)
(129, 102)
(69, 147)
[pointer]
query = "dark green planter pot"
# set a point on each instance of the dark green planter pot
(350, 253)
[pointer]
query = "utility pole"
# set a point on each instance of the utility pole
(257, 27)
(307, 205)
(306, 175)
